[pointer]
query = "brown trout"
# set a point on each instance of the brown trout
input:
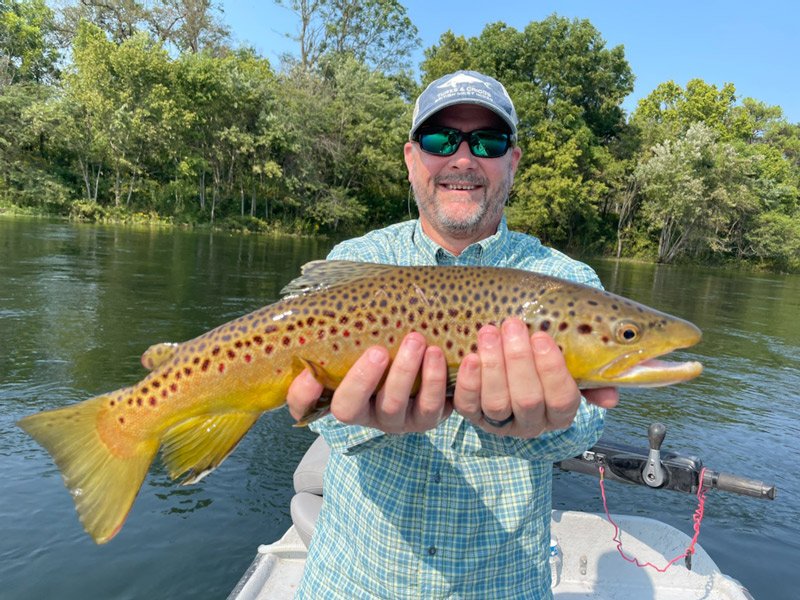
(202, 396)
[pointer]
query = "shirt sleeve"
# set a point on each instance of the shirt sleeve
(553, 446)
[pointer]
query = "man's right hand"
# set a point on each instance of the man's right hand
(360, 401)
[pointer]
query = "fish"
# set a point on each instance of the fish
(201, 396)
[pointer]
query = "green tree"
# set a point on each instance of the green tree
(376, 32)
(568, 88)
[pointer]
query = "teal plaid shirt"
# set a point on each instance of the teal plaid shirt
(454, 512)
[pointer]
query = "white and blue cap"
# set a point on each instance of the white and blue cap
(464, 87)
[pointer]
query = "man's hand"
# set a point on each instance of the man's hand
(512, 375)
(392, 410)
(519, 385)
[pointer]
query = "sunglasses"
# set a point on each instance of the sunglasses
(444, 141)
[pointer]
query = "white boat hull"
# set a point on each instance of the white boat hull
(592, 569)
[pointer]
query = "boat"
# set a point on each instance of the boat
(585, 555)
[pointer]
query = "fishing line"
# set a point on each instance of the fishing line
(697, 518)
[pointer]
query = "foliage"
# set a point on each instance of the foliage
(134, 111)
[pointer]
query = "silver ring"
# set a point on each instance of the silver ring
(498, 424)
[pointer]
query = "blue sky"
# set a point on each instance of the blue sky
(752, 44)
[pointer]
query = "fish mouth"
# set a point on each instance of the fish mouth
(635, 370)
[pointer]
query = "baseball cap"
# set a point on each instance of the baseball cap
(464, 87)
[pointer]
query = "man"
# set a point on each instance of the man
(430, 498)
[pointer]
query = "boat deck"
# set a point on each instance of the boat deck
(592, 569)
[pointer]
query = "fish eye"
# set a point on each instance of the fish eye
(627, 332)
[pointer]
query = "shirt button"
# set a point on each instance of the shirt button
(432, 550)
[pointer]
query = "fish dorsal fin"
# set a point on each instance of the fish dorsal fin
(198, 445)
(157, 354)
(321, 274)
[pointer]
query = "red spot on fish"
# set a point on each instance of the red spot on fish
(346, 333)
(152, 400)
(358, 342)
(343, 320)
(247, 358)
(177, 376)
(122, 420)
(258, 340)
(391, 339)
(221, 367)
(301, 340)
(336, 347)
(359, 325)
(268, 349)
(563, 325)
(130, 401)
(398, 324)
(156, 384)
(138, 402)
(173, 387)
(205, 365)
(112, 403)
(449, 344)
(473, 348)
(187, 370)
(144, 389)
(605, 339)
(286, 341)
(231, 354)
(310, 321)
(163, 393)
(334, 330)
(238, 344)
(215, 351)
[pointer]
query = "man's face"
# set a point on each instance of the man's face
(461, 197)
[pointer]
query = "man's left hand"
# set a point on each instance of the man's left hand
(518, 384)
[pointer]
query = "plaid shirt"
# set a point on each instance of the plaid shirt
(454, 512)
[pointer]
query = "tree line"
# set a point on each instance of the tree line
(130, 110)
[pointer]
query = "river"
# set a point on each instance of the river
(79, 304)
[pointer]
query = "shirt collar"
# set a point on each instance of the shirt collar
(482, 252)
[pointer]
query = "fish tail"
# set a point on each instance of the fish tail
(102, 480)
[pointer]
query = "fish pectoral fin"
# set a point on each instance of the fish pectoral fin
(199, 444)
(103, 481)
(157, 354)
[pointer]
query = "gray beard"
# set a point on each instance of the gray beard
(490, 209)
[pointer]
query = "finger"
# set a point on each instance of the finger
(604, 397)
(428, 408)
(467, 393)
(495, 400)
(303, 394)
(560, 391)
(391, 404)
(352, 399)
(525, 389)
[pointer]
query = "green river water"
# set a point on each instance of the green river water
(79, 304)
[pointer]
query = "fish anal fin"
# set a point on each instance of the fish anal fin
(157, 354)
(198, 445)
(103, 482)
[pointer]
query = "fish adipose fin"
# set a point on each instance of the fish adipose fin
(320, 274)
(102, 480)
(198, 445)
(157, 354)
